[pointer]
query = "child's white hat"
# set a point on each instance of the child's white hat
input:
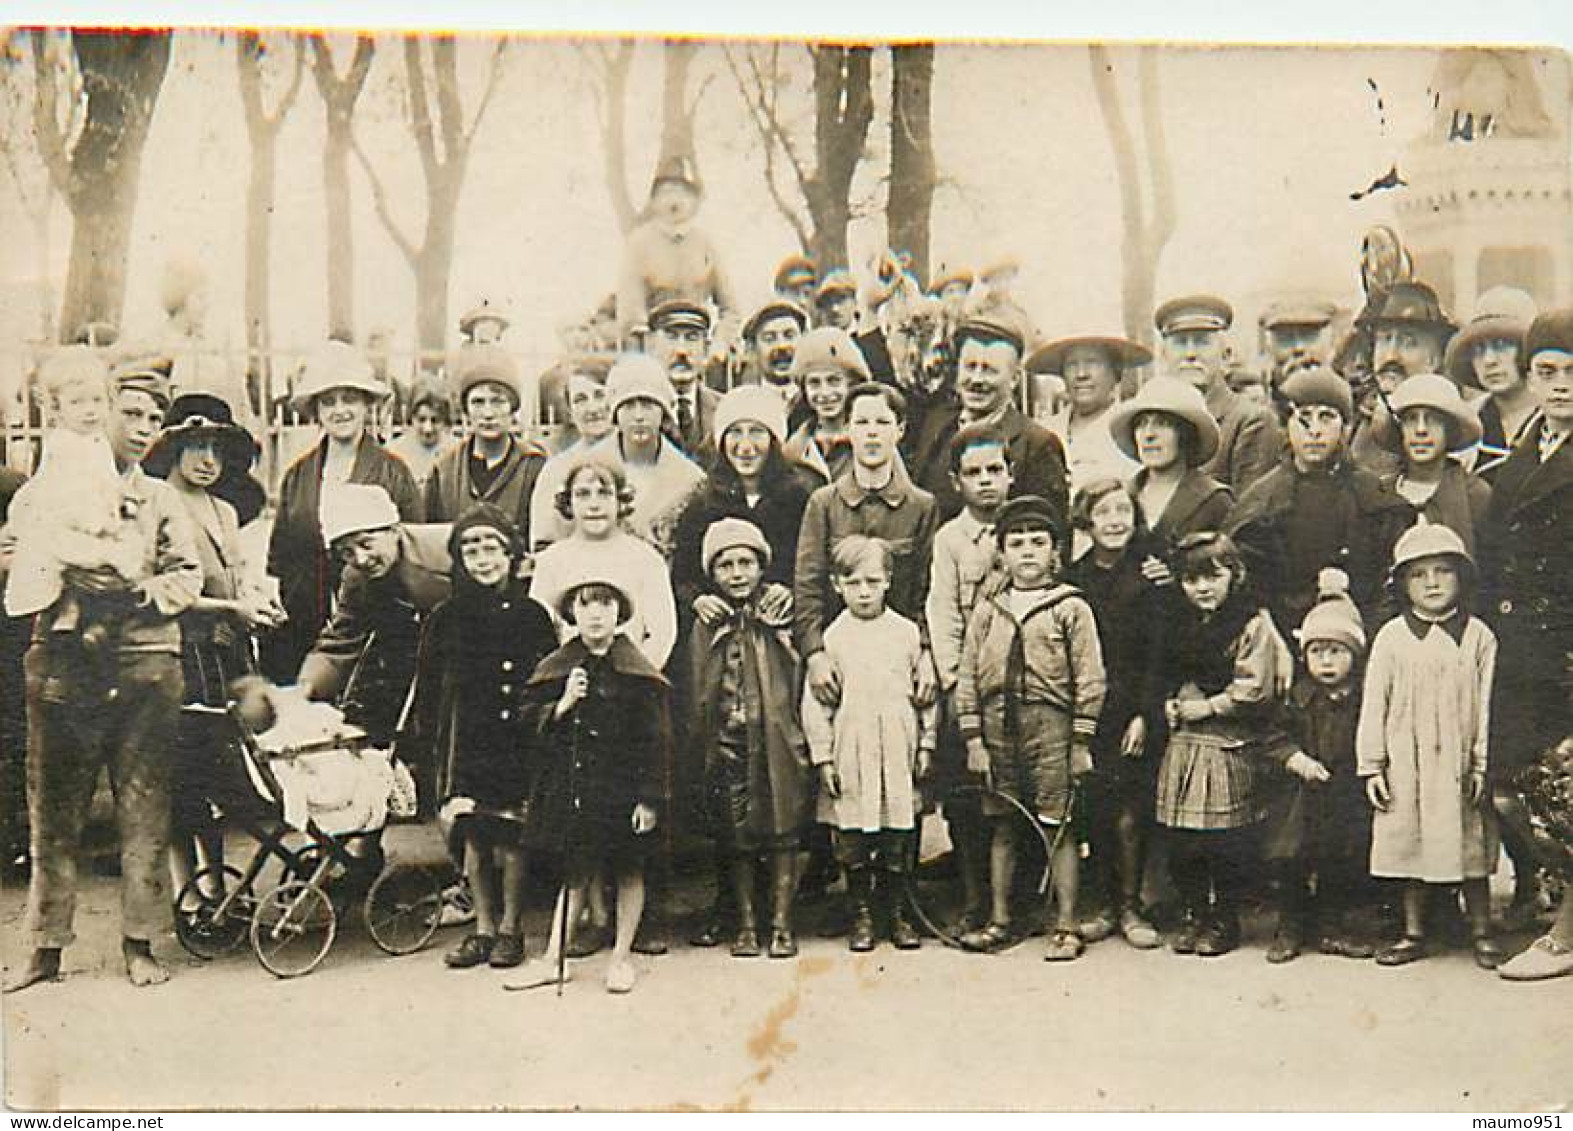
(1334, 617)
(729, 533)
(1428, 540)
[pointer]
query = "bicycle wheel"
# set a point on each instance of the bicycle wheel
(403, 909)
(293, 928)
(212, 912)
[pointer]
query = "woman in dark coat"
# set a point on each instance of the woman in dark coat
(339, 390)
(477, 651)
(750, 478)
(1528, 589)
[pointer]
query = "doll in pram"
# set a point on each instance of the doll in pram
(315, 796)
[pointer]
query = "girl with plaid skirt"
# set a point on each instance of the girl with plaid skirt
(1220, 682)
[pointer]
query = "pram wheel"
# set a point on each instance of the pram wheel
(403, 909)
(212, 911)
(293, 928)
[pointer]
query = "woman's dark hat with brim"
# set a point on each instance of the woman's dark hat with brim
(203, 416)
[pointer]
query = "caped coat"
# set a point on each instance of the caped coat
(779, 775)
(612, 753)
(308, 575)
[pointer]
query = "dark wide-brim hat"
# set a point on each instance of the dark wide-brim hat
(1407, 304)
(1122, 352)
(194, 417)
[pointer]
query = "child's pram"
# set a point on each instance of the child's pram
(336, 793)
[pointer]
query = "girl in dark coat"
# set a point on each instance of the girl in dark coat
(1128, 608)
(477, 650)
(600, 716)
(744, 678)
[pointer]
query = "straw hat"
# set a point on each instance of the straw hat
(337, 365)
(1122, 352)
(1176, 398)
(1433, 391)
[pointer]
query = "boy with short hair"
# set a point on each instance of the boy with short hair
(1029, 691)
(964, 570)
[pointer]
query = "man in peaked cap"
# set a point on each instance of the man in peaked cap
(988, 372)
(1192, 330)
(771, 337)
(836, 301)
(80, 719)
(680, 340)
(795, 280)
(1297, 333)
(668, 256)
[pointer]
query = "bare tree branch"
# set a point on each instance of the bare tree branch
(491, 88)
(762, 115)
(379, 197)
(52, 142)
(420, 109)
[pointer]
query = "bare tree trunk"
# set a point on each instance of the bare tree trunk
(98, 175)
(843, 110)
(1142, 238)
(338, 100)
(262, 128)
(912, 172)
(443, 141)
(610, 62)
(677, 112)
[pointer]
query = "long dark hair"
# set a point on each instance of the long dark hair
(778, 469)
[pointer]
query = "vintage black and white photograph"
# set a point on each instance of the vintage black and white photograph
(623, 572)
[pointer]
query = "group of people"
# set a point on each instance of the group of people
(1189, 643)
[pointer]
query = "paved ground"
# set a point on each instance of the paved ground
(1117, 1030)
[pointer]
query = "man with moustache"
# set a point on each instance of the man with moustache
(1194, 347)
(988, 373)
(680, 340)
(771, 337)
(1409, 335)
(1296, 334)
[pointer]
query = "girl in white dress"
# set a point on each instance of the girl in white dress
(874, 748)
(1421, 742)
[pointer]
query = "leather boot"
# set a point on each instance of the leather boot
(903, 935)
(861, 883)
(783, 887)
